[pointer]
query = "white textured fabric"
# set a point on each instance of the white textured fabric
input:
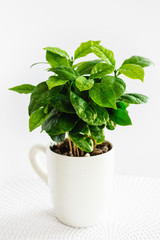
(26, 213)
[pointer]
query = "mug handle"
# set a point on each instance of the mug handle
(35, 161)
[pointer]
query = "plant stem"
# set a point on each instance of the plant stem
(74, 148)
(82, 153)
(77, 152)
(115, 73)
(118, 74)
(70, 144)
(94, 145)
(58, 144)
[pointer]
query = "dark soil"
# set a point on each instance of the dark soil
(63, 149)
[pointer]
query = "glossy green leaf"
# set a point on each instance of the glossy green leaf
(104, 53)
(77, 64)
(117, 84)
(37, 118)
(132, 71)
(81, 127)
(56, 60)
(58, 123)
(120, 117)
(88, 112)
(82, 142)
(83, 83)
(97, 133)
(58, 138)
(85, 48)
(37, 63)
(54, 81)
(24, 88)
(86, 67)
(81, 94)
(65, 73)
(110, 125)
(41, 96)
(103, 95)
(101, 69)
(122, 105)
(62, 103)
(138, 60)
(133, 98)
(57, 51)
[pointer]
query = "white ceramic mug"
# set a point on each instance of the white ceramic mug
(80, 186)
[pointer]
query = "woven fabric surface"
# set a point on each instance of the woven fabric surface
(26, 212)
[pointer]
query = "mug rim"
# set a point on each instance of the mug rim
(83, 157)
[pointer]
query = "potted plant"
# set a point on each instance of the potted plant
(81, 99)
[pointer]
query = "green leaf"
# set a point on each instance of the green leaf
(57, 51)
(65, 73)
(81, 141)
(120, 117)
(84, 49)
(24, 88)
(38, 64)
(103, 95)
(101, 69)
(65, 90)
(78, 64)
(62, 103)
(132, 71)
(86, 67)
(111, 125)
(81, 127)
(37, 118)
(56, 60)
(88, 112)
(54, 81)
(58, 123)
(138, 60)
(58, 138)
(83, 83)
(117, 84)
(122, 105)
(41, 96)
(104, 53)
(81, 94)
(133, 98)
(97, 133)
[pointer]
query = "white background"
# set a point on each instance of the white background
(126, 27)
